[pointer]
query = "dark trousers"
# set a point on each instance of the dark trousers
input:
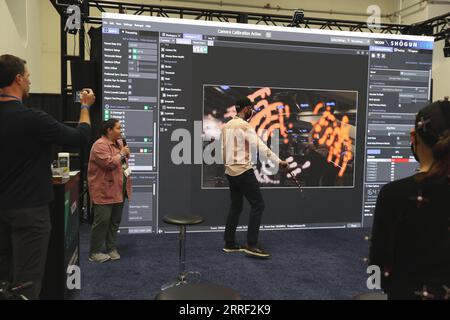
(107, 219)
(24, 236)
(244, 185)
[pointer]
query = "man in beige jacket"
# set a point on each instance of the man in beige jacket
(238, 140)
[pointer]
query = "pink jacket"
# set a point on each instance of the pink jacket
(105, 174)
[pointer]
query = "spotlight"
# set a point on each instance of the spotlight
(418, 29)
(447, 46)
(299, 17)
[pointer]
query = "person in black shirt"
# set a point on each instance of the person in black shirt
(411, 231)
(25, 179)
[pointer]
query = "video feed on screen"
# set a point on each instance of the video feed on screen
(316, 130)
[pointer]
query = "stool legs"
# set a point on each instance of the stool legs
(182, 255)
(182, 274)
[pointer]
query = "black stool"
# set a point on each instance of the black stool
(198, 291)
(182, 221)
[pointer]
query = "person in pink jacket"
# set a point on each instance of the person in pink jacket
(109, 184)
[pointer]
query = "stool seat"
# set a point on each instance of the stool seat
(183, 220)
(198, 291)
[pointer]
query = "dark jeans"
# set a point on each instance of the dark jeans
(244, 185)
(24, 236)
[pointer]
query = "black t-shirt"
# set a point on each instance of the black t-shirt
(27, 136)
(411, 236)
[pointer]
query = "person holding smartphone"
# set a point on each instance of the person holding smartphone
(26, 180)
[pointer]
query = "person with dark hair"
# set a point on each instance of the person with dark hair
(411, 231)
(26, 180)
(109, 184)
(238, 138)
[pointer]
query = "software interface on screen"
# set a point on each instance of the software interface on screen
(338, 106)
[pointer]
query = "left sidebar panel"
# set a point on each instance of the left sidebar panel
(130, 94)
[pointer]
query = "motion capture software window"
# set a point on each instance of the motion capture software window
(342, 103)
(399, 86)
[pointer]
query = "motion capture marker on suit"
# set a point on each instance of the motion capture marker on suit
(447, 292)
(419, 199)
(424, 294)
(422, 124)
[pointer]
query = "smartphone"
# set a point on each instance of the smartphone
(77, 97)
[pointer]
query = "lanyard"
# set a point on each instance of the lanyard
(8, 96)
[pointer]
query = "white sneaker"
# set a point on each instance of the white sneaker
(99, 257)
(114, 255)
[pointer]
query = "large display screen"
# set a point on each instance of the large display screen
(337, 105)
